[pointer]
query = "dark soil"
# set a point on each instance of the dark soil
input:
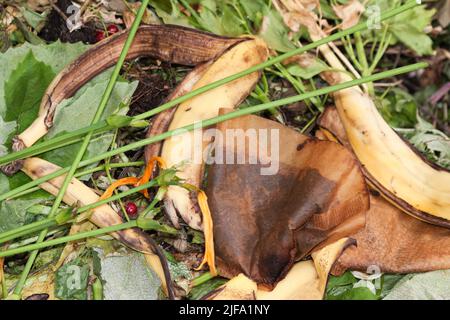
(56, 27)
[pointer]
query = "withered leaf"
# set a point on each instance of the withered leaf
(349, 13)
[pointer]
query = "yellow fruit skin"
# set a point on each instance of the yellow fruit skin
(178, 151)
(391, 165)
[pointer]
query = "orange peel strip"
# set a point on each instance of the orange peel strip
(125, 181)
(149, 171)
(135, 181)
(209, 256)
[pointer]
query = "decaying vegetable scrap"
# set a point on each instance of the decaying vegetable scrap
(263, 224)
(393, 241)
(396, 243)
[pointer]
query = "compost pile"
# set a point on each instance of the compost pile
(284, 149)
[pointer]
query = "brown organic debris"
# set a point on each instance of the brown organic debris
(264, 223)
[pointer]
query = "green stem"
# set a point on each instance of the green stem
(86, 141)
(79, 236)
(103, 126)
(28, 229)
(218, 119)
(202, 279)
(110, 179)
(384, 44)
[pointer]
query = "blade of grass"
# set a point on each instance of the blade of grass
(103, 126)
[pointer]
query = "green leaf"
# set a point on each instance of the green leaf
(82, 107)
(202, 290)
(274, 31)
(169, 12)
(56, 55)
(425, 286)
(344, 280)
(388, 283)
(399, 109)
(316, 67)
(231, 24)
(24, 90)
(431, 142)
(360, 293)
(128, 277)
(409, 28)
(118, 121)
(71, 281)
(13, 213)
(254, 9)
(34, 19)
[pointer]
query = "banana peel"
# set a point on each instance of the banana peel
(263, 224)
(186, 150)
(413, 245)
(79, 194)
(173, 44)
(391, 165)
(394, 242)
(305, 281)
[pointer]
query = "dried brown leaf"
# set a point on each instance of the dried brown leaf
(349, 13)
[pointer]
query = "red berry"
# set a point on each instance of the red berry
(100, 35)
(112, 28)
(131, 209)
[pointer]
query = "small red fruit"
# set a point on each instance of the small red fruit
(112, 28)
(100, 35)
(131, 209)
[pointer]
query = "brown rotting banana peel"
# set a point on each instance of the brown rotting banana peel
(173, 44)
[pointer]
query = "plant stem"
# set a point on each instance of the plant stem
(86, 141)
(83, 235)
(202, 279)
(103, 126)
(218, 119)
